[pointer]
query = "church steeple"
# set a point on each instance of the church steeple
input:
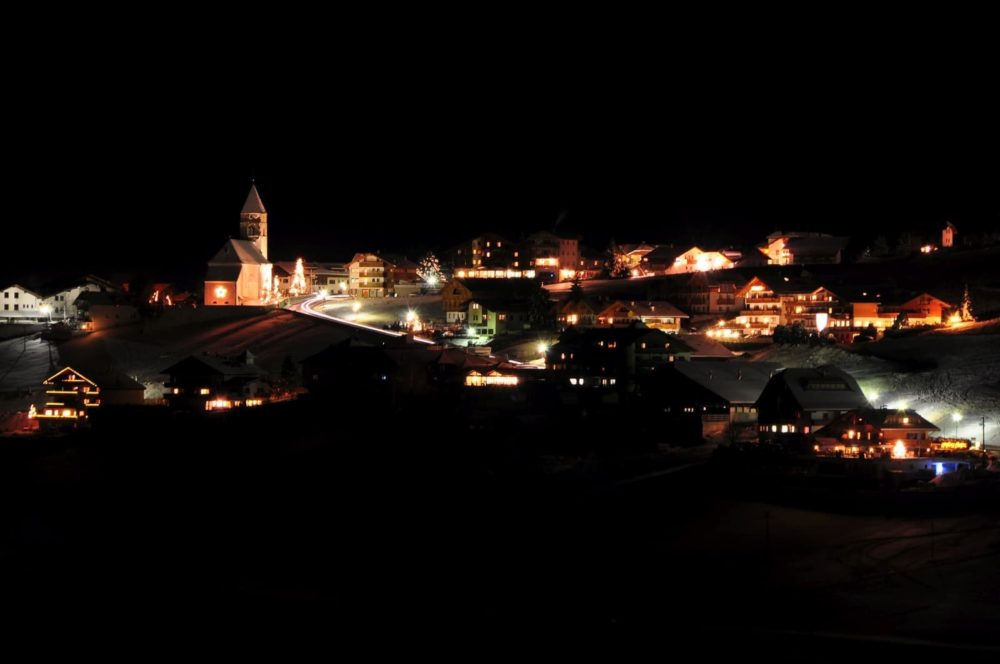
(253, 221)
(253, 205)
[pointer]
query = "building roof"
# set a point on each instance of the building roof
(200, 364)
(816, 246)
(823, 388)
(100, 297)
(253, 204)
(238, 252)
(883, 418)
(22, 288)
(223, 272)
(735, 381)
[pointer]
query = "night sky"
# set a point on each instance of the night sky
(404, 156)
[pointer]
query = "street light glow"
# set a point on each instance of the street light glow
(542, 348)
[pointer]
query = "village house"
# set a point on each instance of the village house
(703, 293)
(781, 300)
(876, 431)
(603, 357)
(457, 293)
(798, 402)
(102, 310)
(881, 309)
(697, 260)
(215, 383)
(660, 315)
(22, 305)
(803, 248)
(578, 311)
(70, 396)
(720, 395)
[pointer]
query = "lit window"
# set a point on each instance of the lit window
(784, 428)
(203, 390)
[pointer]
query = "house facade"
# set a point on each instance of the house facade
(370, 276)
(654, 314)
(796, 403)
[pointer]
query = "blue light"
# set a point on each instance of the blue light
(939, 468)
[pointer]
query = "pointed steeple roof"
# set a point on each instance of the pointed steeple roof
(253, 205)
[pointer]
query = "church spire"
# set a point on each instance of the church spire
(253, 204)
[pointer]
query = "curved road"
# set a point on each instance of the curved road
(307, 307)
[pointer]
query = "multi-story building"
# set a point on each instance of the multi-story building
(21, 304)
(553, 257)
(705, 293)
(457, 294)
(370, 276)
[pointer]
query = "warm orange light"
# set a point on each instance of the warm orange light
(899, 450)
(220, 291)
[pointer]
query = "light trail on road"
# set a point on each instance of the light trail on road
(306, 307)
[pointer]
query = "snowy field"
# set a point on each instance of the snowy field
(940, 374)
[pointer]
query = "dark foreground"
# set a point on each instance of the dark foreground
(386, 531)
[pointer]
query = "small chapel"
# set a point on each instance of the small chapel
(240, 274)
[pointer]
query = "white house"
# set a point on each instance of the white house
(21, 305)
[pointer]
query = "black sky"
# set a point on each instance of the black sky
(110, 168)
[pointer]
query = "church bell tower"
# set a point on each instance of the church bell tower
(253, 221)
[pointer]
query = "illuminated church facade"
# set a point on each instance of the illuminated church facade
(240, 273)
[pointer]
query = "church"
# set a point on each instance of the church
(240, 274)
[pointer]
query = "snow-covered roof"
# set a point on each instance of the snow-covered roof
(824, 388)
(253, 204)
(736, 381)
(238, 252)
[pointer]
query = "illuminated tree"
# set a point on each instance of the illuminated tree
(298, 285)
(618, 267)
(966, 311)
(429, 269)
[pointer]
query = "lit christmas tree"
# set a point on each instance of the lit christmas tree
(966, 311)
(429, 269)
(298, 279)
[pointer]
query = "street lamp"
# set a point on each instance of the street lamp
(47, 310)
(956, 418)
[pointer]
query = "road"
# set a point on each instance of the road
(310, 308)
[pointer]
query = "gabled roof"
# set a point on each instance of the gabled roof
(238, 252)
(100, 297)
(26, 290)
(735, 381)
(253, 204)
(195, 364)
(823, 388)
(51, 379)
(883, 418)
(816, 246)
